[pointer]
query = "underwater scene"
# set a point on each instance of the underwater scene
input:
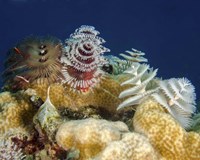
(99, 80)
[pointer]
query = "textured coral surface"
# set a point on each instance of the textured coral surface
(89, 136)
(15, 111)
(132, 146)
(165, 133)
(104, 140)
(104, 95)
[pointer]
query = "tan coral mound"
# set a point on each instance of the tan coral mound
(89, 136)
(104, 95)
(165, 133)
(15, 111)
(132, 146)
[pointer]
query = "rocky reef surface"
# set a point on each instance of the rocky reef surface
(70, 102)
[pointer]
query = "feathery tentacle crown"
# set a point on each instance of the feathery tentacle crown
(118, 65)
(142, 82)
(178, 96)
(82, 59)
(8, 150)
(35, 59)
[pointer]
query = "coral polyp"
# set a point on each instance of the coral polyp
(34, 59)
(82, 59)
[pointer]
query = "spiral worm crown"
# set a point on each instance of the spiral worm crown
(83, 58)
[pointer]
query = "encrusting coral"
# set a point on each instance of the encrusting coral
(108, 89)
(165, 133)
(63, 97)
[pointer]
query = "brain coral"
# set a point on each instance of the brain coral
(89, 136)
(131, 146)
(165, 133)
(103, 140)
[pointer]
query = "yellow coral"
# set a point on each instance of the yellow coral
(132, 146)
(104, 95)
(104, 140)
(89, 136)
(15, 111)
(165, 133)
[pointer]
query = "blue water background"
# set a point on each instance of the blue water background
(168, 31)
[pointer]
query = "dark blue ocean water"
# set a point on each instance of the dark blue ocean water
(168, 31)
